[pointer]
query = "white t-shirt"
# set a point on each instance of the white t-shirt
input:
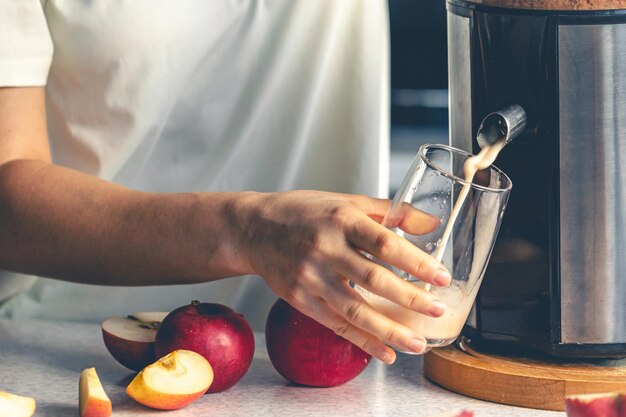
(197, 95)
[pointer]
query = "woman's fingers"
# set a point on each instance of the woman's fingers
(405, 216)
(357, 313)
(411, 220)
(381, 281)
(382, 243)
(320, 311)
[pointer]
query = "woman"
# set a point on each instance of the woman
(145, 145)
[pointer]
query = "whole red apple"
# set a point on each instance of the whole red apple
(307, 353)
(215, 331)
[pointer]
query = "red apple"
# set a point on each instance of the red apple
(130, 340)
(172, 382)
(592, 405)
(215, 331)
(307, 353)
(621, 405)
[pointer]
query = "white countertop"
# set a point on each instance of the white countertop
(43, 360)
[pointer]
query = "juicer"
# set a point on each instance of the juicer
(556, 282)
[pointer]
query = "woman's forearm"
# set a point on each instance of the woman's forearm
(60, 223)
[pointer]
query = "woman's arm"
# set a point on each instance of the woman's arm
(61, 223)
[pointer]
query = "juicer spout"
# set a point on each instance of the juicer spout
(505, 123)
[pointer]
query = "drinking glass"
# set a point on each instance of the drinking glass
(434, 183)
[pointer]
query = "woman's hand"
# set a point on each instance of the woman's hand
(307, 246)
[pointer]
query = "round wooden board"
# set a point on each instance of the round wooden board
(518, 381)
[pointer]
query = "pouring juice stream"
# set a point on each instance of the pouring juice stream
(485, 158)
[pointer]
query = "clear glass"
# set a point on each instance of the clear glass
(433, 184)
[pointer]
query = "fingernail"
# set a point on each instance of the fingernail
(417, 345)
(443, 277)
(386, 357)
(436, 308)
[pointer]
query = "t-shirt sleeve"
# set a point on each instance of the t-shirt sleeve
(25, 43)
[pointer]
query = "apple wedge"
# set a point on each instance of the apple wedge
(15, 405)
(173, 381)
(130, 340)
(592, 405)
(92, 400)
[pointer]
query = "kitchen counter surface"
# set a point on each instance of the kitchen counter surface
(44, 360)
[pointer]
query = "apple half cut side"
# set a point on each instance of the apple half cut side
(92, 400)
(592, 405)
(130, 340)
(16, 405)
(173, 381)
(152, 317)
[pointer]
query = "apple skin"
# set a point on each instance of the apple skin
(621, 405)
(592, 405)
(97, 408)
(307, 353)
(215, 331)
(133, 354)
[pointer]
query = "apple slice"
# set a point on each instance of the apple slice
(130, 340)
(16, 405)
(592, 405)
(92, 400)
(173, 381)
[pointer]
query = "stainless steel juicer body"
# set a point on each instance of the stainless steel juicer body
(557, 279)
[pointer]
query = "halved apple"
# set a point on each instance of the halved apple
(592, 405)
(153, 317)
(130, 340)
(16, 405)
(173, 381)
(92, 400)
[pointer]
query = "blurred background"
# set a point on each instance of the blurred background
(419, 80)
